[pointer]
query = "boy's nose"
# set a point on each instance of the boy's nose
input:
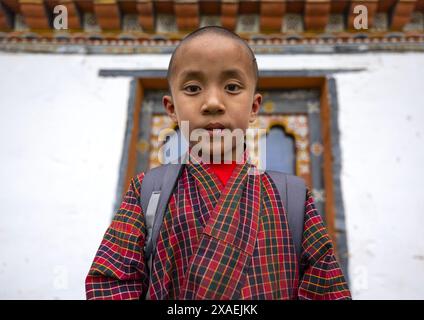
(213, 108)
(213, 104)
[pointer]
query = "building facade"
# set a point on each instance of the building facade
(80, 114)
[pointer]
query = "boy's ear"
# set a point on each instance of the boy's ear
(169, 107)
(257, 100)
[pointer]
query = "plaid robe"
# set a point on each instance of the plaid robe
(213, 244)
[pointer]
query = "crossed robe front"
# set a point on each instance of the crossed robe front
(213, 244)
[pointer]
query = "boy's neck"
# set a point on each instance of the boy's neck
(223, 170)
(223, 160)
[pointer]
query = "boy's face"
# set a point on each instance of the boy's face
(213, 85)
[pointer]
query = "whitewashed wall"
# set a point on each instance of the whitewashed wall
(61, 138)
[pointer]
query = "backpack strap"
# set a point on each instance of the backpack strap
(292, 190)
(156, 189)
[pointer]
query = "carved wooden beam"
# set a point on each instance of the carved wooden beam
(420, 6)
(85, 6)
(316, 15)
(107, 14)
(13, 5)
(35, 14)
(371, 6)
(6, 18)
(271, 15)
(229, 11)
(146, 15)
(402, 13)
(209, 7)
(187, 14)
(339, 6)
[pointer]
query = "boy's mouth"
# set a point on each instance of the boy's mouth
(215, 125)
(215, 128)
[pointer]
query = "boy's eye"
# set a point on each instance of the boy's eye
(192, 88)
(233, 87)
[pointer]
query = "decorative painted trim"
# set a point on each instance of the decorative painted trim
(126, 147)
(136, 43)
(340, 221)
(158, 73)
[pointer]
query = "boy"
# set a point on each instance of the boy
(225, 232)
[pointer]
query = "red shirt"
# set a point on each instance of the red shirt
(223, 170)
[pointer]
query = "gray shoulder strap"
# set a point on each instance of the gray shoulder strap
(156, 189)
(292, 191)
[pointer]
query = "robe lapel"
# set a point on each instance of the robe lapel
(218, 267)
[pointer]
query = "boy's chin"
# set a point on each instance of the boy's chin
(219, 154)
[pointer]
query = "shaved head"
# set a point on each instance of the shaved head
(211, 30)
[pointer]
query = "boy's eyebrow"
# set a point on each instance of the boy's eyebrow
(235, 73)
(190, 74)
(194, 74)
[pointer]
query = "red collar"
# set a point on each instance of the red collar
(223, 170)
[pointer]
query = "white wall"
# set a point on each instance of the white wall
(61, 137)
